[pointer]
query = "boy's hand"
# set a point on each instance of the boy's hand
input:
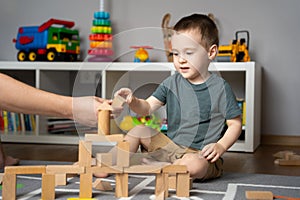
(126, 93)
(213, 151)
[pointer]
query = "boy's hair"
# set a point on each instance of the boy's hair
(202, 23)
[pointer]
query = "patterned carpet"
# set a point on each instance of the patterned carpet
(141, 187)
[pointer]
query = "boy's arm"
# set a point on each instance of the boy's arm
(139, 106)
(144, 107)
(215, 150)
(232, 133)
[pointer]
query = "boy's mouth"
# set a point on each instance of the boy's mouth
(184, 69)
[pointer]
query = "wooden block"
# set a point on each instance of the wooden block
(104, 159)
(48, 186)
(293, 157)
(9, 187)
(105, 106)
(86, 184)
(174, 169)
(282, 154)
(118, 101)
(104, 122)
(143, 169)
(161, 185)
(161, 196)
(64, 169)
(287, 162)
(1, 177)
(183, 185)
(123, 154)
(81, 199)
(259, 195)
(25, 169)
(121, 185)
(102, 185)
(60, 179)
(85, 153)
(104, 138)
(172, 182)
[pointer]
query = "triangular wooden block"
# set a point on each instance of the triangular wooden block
(102, 185)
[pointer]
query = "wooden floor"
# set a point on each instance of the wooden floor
(261, 161)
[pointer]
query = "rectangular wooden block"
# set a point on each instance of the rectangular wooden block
(60, 179)
(25, 169)
(104, 138)
(104, 159)
(9, 186)
(48, 186)
(118, 101)
(104, 122)
(287, 162)
(143, 169)
(172, 182)
(121, 185)
(85, 153)
(259, 195)
(64, 169)
(161, 186)
(86, 184)
(183, 185)
(123, 154)
(174, 169)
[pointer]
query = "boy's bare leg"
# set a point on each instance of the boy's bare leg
(149, 161)
(139, 135)
(196, 164)
(6, 160)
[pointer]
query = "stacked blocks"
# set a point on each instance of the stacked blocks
(176, 176)
(101, 38)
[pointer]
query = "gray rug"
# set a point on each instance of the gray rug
(141, 187)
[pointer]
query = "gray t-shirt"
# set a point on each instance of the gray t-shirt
(196, 114)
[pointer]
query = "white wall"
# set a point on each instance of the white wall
(274, 38)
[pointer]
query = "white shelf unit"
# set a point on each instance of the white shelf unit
(60, 77)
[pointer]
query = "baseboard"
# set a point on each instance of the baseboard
(280, 140)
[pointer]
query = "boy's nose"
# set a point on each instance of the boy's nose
(182, 59)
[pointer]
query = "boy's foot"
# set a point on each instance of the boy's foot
(10, 161)
(149, 161)
(101, 175)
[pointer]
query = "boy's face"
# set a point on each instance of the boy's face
(190, 58)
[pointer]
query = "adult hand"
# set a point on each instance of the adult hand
(213, 151)
(85, 109)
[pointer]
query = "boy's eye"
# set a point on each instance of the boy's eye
(174, 53)
(189, 53)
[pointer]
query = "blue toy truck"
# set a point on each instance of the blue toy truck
(47, 42)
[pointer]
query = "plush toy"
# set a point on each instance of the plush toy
(167, 33)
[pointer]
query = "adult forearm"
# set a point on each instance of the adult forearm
(16, 96)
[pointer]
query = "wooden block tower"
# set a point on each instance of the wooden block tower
(53, 175)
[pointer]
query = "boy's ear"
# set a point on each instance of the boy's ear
(213, 51)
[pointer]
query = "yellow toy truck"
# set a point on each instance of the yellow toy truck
(237, 51)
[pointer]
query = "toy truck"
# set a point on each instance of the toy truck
(54, 40)
(237, 51)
